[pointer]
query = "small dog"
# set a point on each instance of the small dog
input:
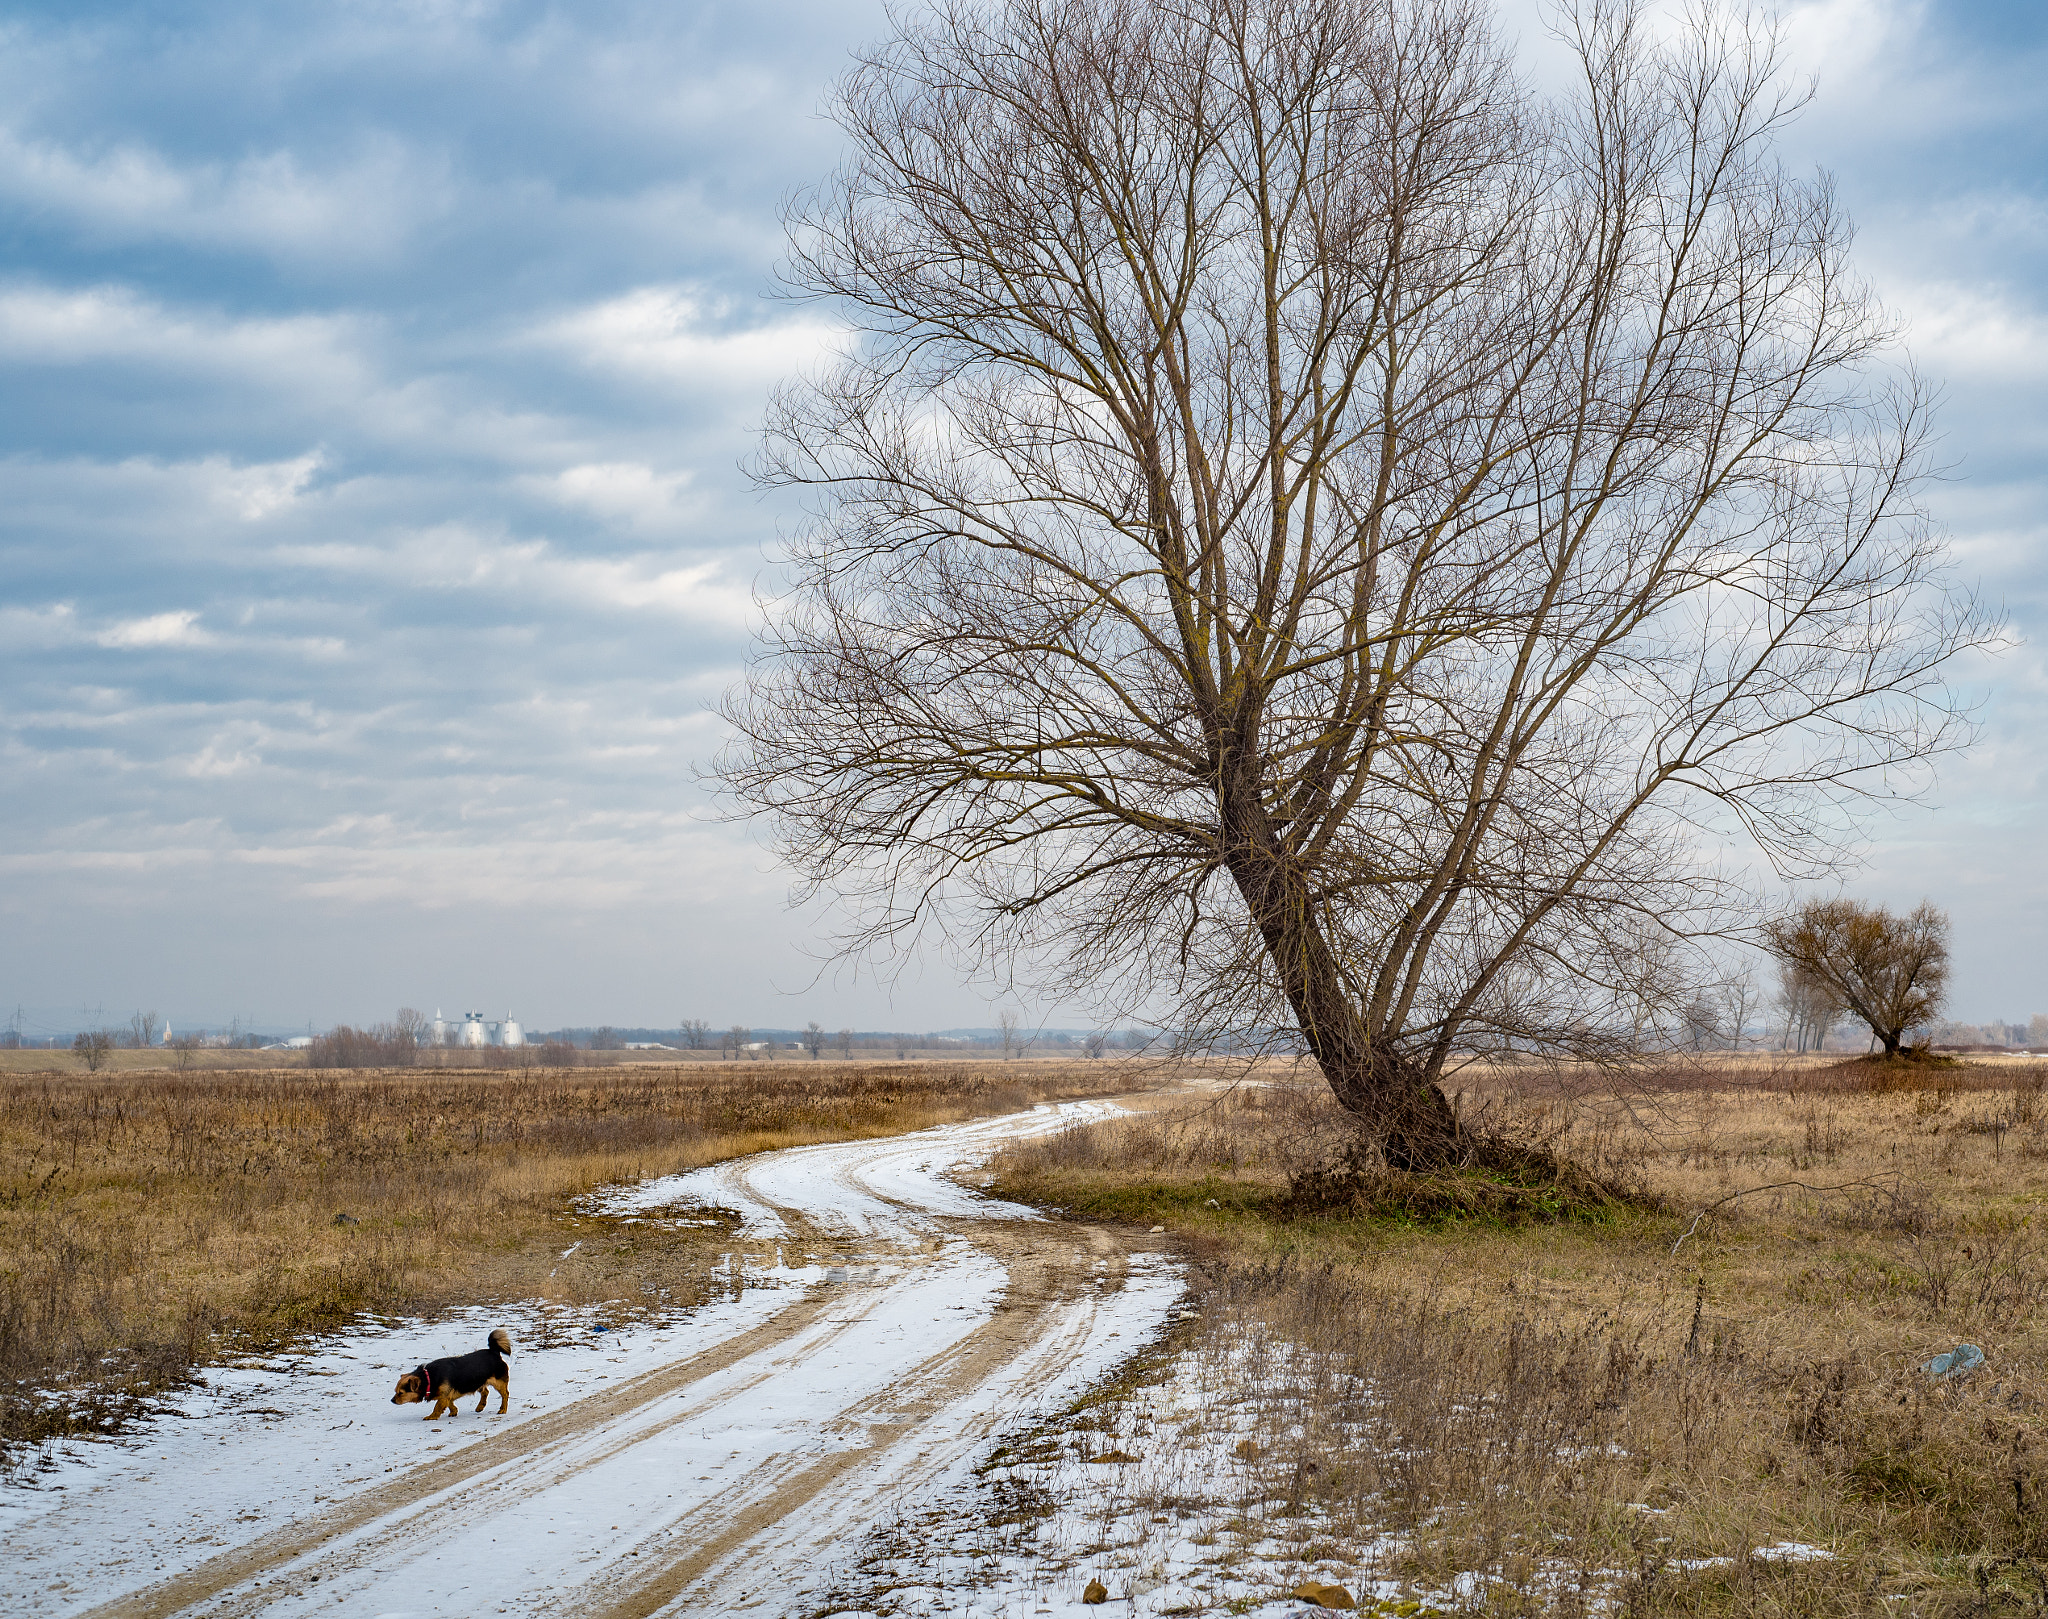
(448, 1380)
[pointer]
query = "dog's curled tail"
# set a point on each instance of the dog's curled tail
(501, 1340)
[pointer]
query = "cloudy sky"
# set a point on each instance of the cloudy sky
(373, 379)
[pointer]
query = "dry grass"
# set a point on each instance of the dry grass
(1583, 1417)
(151, 1222)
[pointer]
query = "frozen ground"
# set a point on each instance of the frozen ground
(1150, 1491)
(720, 1464)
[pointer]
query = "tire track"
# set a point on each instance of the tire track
(565, 1424)
(1039, 1284)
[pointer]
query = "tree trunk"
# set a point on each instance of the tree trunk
(1390, 1094)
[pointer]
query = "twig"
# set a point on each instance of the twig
(1773, 1186)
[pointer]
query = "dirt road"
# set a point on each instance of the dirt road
(721, 1467)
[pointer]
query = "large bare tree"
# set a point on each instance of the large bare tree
(1308, 530)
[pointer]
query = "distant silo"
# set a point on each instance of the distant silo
(510, 1034)
(440, 1028)
(473, 1031)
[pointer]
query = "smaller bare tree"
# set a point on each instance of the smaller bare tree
(1740, 1001)
(846, 1044)
(733, 1043)
(1702, 1023)
(1006, 1028)
(142, 1030)
(814, 1038)
(1805, 1005)
(693, 1032)
(1096, 1042)
(404, 1035)
(1889, 971)
(91, 1046)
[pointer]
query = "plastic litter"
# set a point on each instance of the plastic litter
(1963, 1358)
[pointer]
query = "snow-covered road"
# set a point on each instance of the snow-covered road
(710, 1466)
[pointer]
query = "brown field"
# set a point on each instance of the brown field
(153, 1221)
(1590, 1419)
(121, 1060)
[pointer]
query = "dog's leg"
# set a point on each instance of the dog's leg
(483, 1397)
(444, 1400)
(504, 1387)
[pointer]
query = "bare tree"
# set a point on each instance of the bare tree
(404, 1035)
(184, 1048)
(1307, 530)
(694, 1032)
(1006, 1031)
(91, 1047)
(733, 1043)
(1890, 971)
(1702, 1023)
(1095, 1043)
(1811, 1008)
(1740, 1001)
(142, 1030)
(846, 1043)
(813, 1038)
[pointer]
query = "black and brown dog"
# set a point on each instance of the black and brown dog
(448, 1380)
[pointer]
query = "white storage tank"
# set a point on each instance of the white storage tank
(510, 1034)
(440, 1028)
(473, 1031)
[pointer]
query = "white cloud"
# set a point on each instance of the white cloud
(456, 557)
(624, 492)
(38, 627)
(177, 628)
(216, 759)
(1843, 39)
(363, 208)
(669, 334)
(1973, 331)
(372, 861)
(258, 490)
(66, 326)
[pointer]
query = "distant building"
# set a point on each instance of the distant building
(474, 1031)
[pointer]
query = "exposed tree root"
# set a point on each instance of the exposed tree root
(1485, 1176)
(1913, 1068)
